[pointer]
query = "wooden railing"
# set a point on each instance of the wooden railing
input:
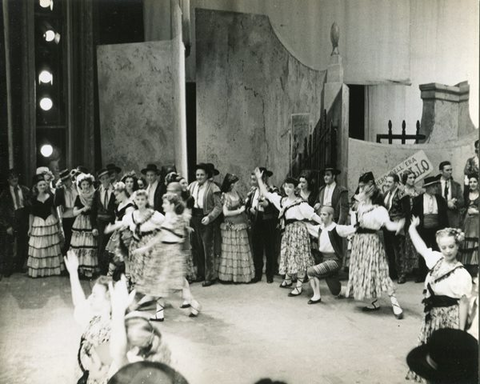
(403, 137)
(319, 149)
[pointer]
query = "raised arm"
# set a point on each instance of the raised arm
(71, 262)
(261, 184)
(417, 241)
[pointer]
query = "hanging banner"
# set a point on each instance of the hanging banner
(418, 164)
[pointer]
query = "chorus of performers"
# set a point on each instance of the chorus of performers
(141, 237)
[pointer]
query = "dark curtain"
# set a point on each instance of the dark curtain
(85, 111)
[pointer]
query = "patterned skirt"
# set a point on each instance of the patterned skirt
(135, 264)
(116, 247)
(84, 244)
(368, 274)
(468, 254)
(44, 251)
(444, 317)
(164, 271)
(236, 262)
(295, 251)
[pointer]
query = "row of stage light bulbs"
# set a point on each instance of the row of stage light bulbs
(45, 76)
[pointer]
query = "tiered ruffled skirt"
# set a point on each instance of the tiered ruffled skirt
(44, 252)
(84, 244)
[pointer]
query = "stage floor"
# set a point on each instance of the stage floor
(244, 333)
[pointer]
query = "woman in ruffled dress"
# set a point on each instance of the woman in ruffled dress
(115, 246)
(410, 257)
(295, 253)
(236, 261)
(368, 273)
(164, 271)
(44, 252)
(448, 284)
(143, 223)
(84, 229)
(469, 250)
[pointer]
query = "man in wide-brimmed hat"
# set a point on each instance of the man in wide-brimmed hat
(155, 189)
(65, 196)
(333, 195)
(207, 207)
(449, 356)
(114, 173)
(14, 222)
(104, 203)
(264, 219)
(431, 208)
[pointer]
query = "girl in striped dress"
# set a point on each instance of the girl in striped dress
(84, 229)
(44, 252)
(295, 253)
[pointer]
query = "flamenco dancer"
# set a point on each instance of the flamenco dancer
(84, 229)
(115, 245)
(448, 284)
(44, 252)
(369, 275)
(164, 271)
(144, 223)
(295, 254)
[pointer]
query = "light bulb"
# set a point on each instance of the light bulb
(46, 150)
(46, 103)
(45, 77)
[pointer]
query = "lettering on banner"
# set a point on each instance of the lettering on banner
(419, 164)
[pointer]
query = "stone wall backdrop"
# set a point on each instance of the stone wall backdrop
(248, 86)
(381, 158)
(138, 97)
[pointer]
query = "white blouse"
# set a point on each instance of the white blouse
(372, 216)
(154, 223)
(458, 284)
(299, 212)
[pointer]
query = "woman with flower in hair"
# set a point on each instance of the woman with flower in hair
(448, 284)
(295, 253)
(165, 271)
(130, 180)
(369, 274)
(44, 253)
(84, 229)
(236, 262)
(115, 245)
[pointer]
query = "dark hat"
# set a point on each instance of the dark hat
(266, 172)
(38, 178)
(147, 372)
(82, 169)
(113, 168)
(366, 177)
(12, 172)
(151, 167)
(228, 180)
(102, 172)
(334, 170)
(65, 174)
(430, 181)
(291, 180)
(206, 167)
(451, 355)
(214, 171)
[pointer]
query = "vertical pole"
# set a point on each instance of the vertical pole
(404, 131)
(6, 31)
(70, 120)
(390, 132)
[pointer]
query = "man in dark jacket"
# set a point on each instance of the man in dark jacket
(14, 222)
(431, 208)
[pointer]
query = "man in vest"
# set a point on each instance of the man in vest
(333, 194)
(451, 191)
(331, 250)
(207, 207)
(65, 195)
